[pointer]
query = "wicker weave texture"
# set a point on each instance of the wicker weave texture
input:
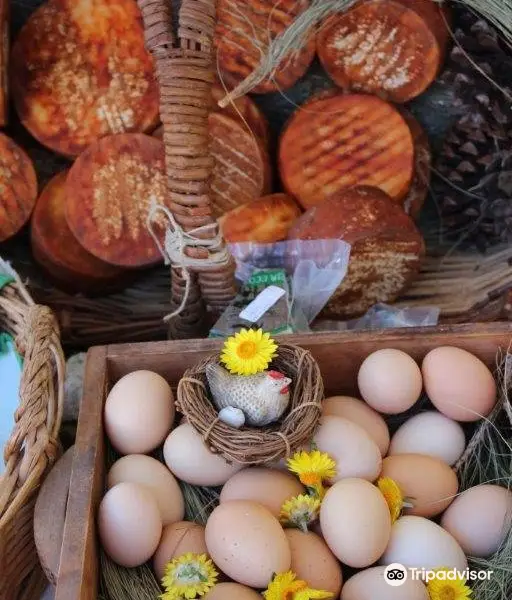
(33, 446)
(185, 70)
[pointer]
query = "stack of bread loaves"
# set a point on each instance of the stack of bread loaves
(352, 158)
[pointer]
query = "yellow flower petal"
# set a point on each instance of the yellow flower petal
(300, 511)
(448, 589)
(286, 586)
(393, 496)
(313, 468)
(248, 352)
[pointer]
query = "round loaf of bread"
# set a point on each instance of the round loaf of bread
(264, 221)
(386, 247)
(392, 48)
(340, 141)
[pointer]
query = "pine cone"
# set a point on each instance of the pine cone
(474, 185)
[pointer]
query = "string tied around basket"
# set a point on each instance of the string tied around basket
(174, 247)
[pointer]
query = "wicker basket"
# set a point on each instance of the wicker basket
(33, 446)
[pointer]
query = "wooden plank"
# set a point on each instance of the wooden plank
(78, 571)
(339, 356)
(50, 515)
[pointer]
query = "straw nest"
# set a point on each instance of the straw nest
(252, 446)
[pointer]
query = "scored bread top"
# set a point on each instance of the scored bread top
(80, 71)
(18, 186)
(241, 171)
(53, 242)
(341, 141)
(110, 190)
(386, 247)
(242, 38)
(382, 47)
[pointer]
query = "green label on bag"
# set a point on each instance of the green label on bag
(5, 280)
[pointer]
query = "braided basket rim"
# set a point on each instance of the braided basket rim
(33, 446)
(257, 445)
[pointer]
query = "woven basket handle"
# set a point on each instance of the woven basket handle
(186, 75)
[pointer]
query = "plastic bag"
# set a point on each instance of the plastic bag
(315, 268)
(384, 316)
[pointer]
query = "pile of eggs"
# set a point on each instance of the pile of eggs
(141, 516)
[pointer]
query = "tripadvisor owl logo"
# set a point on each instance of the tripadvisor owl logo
(395, 574)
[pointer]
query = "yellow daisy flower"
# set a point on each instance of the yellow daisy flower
(300, 511)
(393, 496)
(313, 468)
(188, 576)
(286, 586)
(448, 589)
(248, 352)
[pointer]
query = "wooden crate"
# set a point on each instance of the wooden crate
(339, 356)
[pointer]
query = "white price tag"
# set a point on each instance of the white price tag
(262, 303)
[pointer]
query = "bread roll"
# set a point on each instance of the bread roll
(386, 247)
(265, 220)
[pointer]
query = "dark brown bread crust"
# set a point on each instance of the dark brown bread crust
(386, 247)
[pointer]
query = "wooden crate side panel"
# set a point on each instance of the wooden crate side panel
(339, 354)
(78, 571)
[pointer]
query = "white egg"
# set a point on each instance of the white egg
(430, 433)
(419, 543)
(370, 584)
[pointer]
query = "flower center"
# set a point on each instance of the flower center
(310, 479)
(294, 587)
(188, 573)
(447, 593)
(246, 349)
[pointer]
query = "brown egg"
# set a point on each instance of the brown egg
(428, 481)
(458, 383)
(247, 543)
(361, 414)
(232, 591)
(371, 585)
(178, 539)
(390, 381)
(129, 524)
(313, 562)
(139, 412)
(156, 477)
(269, 487)
(353, 450)
(355, 522)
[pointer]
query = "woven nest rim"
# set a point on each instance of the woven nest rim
(257, 445)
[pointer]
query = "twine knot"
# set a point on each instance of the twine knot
(177, 240)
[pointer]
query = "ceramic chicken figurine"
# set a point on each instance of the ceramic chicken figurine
(255, 400)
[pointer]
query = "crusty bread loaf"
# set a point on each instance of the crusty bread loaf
(18, 185)
(112, 186)
(58, 252)
(242, 36)
(80, 71)
(393, 48)
(241, 170)
(343, 140)
(386, 247)
(265, 220)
